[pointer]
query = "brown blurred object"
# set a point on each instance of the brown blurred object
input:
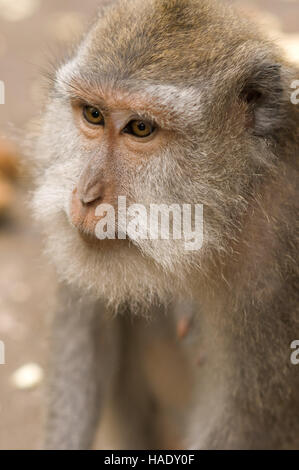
(8, 174)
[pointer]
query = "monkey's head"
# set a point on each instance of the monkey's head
(164, 102)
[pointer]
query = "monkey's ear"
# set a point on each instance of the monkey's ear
(264, 95)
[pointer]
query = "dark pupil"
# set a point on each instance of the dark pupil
(95, 113)
(142, 126)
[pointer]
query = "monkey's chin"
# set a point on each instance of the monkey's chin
(119, 272)
(93, 242)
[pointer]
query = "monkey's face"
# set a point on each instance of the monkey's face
(174, 124)
(114, 142)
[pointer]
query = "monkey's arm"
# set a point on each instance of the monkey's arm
(80, 372)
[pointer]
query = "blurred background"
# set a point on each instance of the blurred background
(32, 32)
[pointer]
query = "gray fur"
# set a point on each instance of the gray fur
(195, 63)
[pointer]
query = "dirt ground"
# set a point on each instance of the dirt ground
(31, 33)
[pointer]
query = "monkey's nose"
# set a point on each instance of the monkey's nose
(91, 193)
(83, 214)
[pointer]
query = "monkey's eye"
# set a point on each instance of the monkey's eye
(139, 128)
(93, 116)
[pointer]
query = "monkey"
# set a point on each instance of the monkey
(172, 102)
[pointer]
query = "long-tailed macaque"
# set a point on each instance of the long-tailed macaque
(173, 102)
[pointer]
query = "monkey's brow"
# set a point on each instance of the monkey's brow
(163, 104)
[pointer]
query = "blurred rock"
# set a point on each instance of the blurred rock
(19, 10)
(290, 42)
(27, 376)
